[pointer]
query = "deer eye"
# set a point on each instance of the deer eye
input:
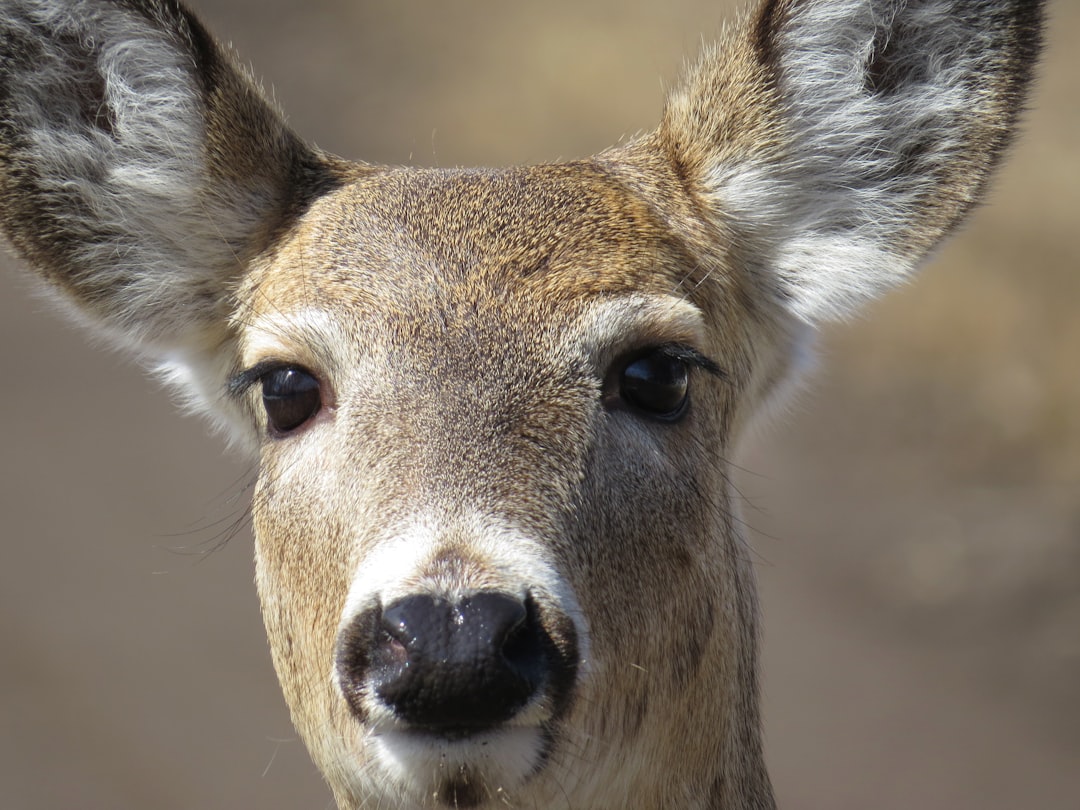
(291, 397)
(657, 383)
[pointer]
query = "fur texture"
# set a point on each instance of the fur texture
(524, 384)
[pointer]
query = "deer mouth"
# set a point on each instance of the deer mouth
(465, 772)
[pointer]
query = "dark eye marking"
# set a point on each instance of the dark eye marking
(655, 382)
(291, 394)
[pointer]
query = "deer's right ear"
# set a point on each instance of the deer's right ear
(840, 140)
(140, 170)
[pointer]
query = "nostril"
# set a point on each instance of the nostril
(520, 641)
(355, 645)
(496, 621)
(394, 652)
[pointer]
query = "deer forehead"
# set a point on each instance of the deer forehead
(495, 263)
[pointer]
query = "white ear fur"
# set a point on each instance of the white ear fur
(888, 117)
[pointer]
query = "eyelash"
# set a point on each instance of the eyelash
(241, 383)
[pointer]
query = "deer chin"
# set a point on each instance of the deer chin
(466, 771)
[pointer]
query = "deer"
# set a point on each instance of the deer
(497, 545)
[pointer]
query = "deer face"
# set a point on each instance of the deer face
(492, 540)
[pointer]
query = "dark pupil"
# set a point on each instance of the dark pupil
(656, 383)
(291, 397)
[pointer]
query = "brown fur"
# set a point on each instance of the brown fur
(468, 330)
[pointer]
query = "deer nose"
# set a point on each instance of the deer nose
(454, 667)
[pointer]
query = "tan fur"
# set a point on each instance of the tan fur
(469, 331)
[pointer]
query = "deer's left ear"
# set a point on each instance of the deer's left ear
(842, 139)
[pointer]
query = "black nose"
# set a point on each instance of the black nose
(453, 667)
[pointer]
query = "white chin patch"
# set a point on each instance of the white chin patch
(489, 765)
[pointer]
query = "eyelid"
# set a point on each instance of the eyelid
(681, 352)
(240, 383)
(616, 330)
(690, 356)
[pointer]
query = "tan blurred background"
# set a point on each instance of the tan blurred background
(919, 513)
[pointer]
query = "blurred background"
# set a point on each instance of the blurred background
(917, 516)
